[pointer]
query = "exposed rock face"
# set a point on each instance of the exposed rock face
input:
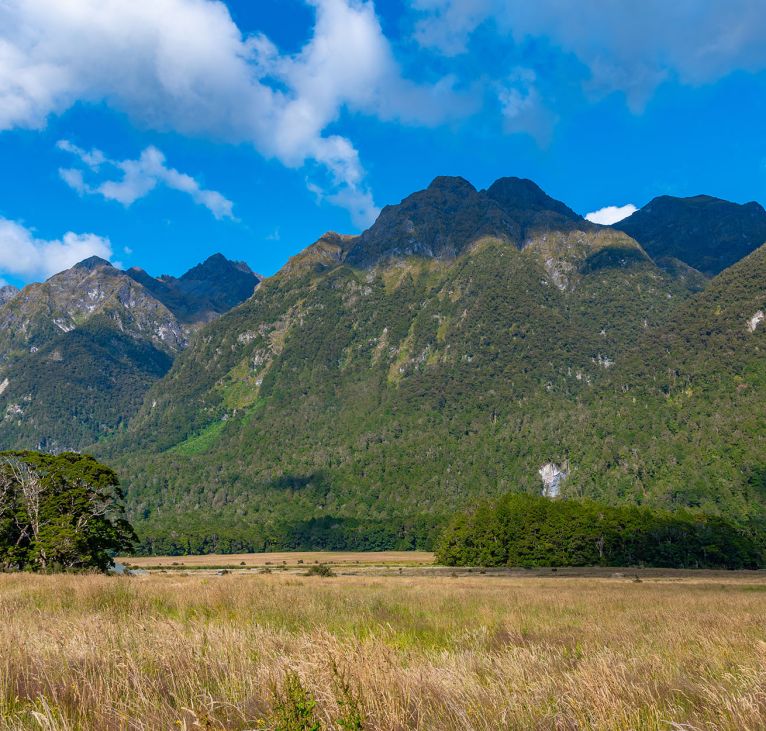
(446, 218)
(78, 352)
(326, 252)
(755, 320)
(706, 233)
(553, 476)
(7, 293)
(89, 289)
(205, 291)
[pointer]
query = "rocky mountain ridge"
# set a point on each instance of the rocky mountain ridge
(444, 219)
(377, 382)
(706, 233)
(204, 292)
(78, 351)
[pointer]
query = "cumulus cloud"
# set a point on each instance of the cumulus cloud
(138, 178)
(523, 107)
(184, 65)
(24, 255)
(626, 47)
(611, 214)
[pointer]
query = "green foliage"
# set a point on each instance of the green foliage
(320, 569)
(524, 530)
(352, 717)
(294, 708)
(379, 402)
(78, 386)
(201, 442)
(59, 512)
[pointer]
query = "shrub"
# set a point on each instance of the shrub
(294, 708)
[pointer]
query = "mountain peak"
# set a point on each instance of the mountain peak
(92, 262)
(215, 266)
(702, 231)
(524, 194)
(448, 216)
(451, 184)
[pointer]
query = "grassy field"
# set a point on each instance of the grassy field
(288, 652)
(286, 558)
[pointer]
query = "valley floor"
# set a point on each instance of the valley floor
(254, 650)
(292, 559)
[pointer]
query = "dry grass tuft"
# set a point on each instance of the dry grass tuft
(204, 652)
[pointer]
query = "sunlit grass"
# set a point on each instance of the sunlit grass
(172, 651)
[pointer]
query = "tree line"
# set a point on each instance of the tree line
(525, 530)
(65, 512)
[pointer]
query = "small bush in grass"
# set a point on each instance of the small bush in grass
(320, 570)
(351, 717)
(294, 708)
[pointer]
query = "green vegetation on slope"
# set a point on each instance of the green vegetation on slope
(362, 407)
(80, 385)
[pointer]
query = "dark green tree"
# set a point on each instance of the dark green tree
(60, 512)
(525, 530)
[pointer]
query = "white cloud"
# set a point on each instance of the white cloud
(610, 214)
(359, 203)
(184, 65)
(27, 257)
(523, 108)
(139, 178)
(627, 47)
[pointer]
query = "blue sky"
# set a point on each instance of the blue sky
(156, 133)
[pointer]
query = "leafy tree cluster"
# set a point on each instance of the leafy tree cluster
(171, 537)
(525, 530)
(59, 512)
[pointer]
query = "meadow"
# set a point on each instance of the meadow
(283, 651)
(281, 558)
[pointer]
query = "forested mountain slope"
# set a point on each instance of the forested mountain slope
(681, 420)
(359, 404)
(79, 351)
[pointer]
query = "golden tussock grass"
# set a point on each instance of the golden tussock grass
(207, 652)
(277, 558)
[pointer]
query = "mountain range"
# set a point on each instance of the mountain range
(79, 351)
(470, 343)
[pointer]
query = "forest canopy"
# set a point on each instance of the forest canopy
(523, 530)
(60, 512)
